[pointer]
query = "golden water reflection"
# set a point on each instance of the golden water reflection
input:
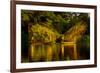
(39, 52)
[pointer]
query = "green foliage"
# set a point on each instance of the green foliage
(49, 26)
(25, 16)
(42, 34)
(61, 21)
(76, 32)
(84, 42)
(83, 46)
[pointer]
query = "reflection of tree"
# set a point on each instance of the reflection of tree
(44, 52)
(72, 48)
(52, 52)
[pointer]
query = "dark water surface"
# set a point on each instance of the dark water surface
(39, 52)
